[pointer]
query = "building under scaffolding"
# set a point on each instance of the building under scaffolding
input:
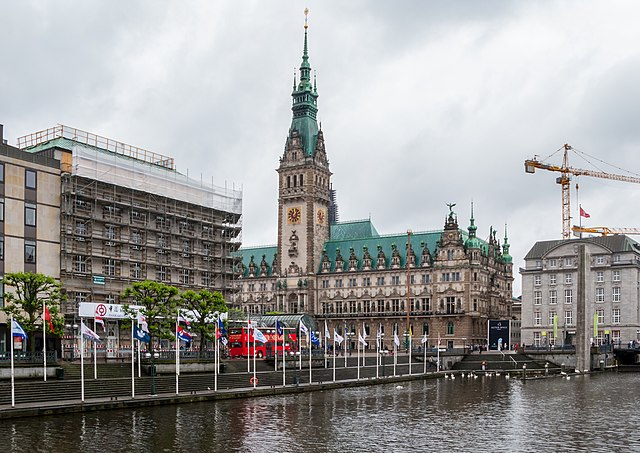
(127, 215)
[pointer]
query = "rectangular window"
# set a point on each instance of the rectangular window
(568, 296)
(338, 283)
(30, 214)
(552, 315)
(599, 259)
(29, 252)
(615, 294)
(600, 314)
(537, 339)
(616, 276)
(568, 318)
(185, 275)
(615, 315)
(1, 209)
(552, 279)
(553, 296)
(80, 263)
(395, 279)
(424, 279)
(164, 274)
(366, 281)
(539, 264)
(537, 297)
(1, 172)
(380, 281)
(109, 267)
(615, 336)
(599, 294)
(537, 318)
(553, 263)
(568, 261)
(599, 277)
(616, 258)
(537, 280)
(81, 228)
(325, 284)
(1, 291)
(136, 270)
(30, 179)
(206, 279)
(568, 278)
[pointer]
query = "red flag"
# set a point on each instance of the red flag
(100, 321)
(584, 213)
(47, 317)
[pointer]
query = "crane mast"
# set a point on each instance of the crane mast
(564, 180)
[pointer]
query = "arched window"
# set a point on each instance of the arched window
(450, 328)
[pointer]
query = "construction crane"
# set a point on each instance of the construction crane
(604, 231)
(564, 180)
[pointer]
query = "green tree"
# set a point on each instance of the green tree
(26, 302)
(202, 307)
(158, 304)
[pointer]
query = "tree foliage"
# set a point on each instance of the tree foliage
(202, 308)
(159, 306)
(26, 301)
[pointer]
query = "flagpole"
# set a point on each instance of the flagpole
(410, 348)
(249, 346)
(300, 346)
(177, 354)
(13, 390)
(44, 338)
(139, 366)
(133, 365)
(378, 338)
(215, 356)
(254, 358)
(95, 353)
(438, 355)
(326, 359)
(275, 353)
(424, 350)
(284, 362)
(395, 351)
(309, 345)
(81, 361)
(346, 340)
(359, 357)
(334, 354)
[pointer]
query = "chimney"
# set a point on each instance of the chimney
(2, 140)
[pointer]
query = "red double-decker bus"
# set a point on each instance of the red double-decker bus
(241, 343)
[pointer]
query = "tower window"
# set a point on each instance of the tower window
(295, 181)
(301, 180)
(288, 182)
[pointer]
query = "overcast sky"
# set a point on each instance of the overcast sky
(422, 103)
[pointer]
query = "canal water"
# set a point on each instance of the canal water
(487, 414)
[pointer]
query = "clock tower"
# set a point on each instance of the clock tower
(304, 183)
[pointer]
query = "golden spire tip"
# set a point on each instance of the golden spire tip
(306, 13)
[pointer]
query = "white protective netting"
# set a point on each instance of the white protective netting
(91, 162)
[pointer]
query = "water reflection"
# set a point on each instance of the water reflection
(596, 413)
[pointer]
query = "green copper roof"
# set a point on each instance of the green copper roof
(269, 253)
(305, 105)
(353, 230)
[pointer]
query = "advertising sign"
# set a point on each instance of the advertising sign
(498, 334)
(106, 311)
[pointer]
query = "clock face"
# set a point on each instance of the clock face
(320, 216)
(294, 216)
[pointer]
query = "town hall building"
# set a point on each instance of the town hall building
(444, 283)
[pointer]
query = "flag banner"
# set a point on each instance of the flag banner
(424, 339)
(584, 213)
(141, 335)
(337, 337)
(259, 336)
(379, 333)
(396, 340)
(100, 321)
(183, 334)
(143, 322)
(224, 340)
(439, 339)
(17, 329)
(88, 333)
(279, 328)
(595, 324)
(326, 330)
(364, 331)
(362, 340)
(555, 326)
(47, 317)
(314, 340)
(185, 321)
(303, 328)
(221, 327)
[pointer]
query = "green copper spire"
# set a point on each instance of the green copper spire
(472, 241)
(305, 107)
(505, 247)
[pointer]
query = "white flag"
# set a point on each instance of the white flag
(259, 336)
(396, 340)
(364, 331)
(337, 337)
(424, 339)
(362, 340)
(326, 331)
(303, 328)
(88, 333)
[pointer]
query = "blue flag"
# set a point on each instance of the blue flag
(315, 340)
(183, 335)
(221, 328)
(279, 328)
(141, 335)
(17, 329)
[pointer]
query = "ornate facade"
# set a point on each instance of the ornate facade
(347, 274)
